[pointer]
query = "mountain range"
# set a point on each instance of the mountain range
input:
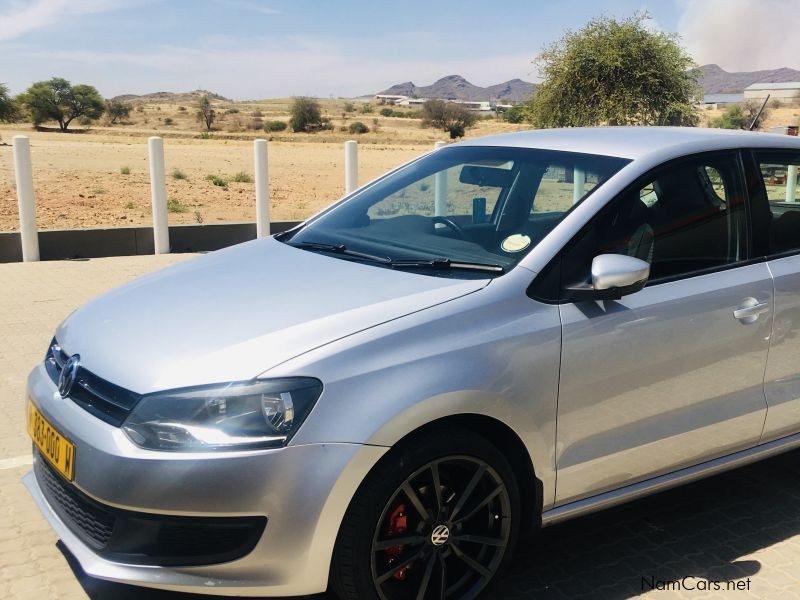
(712, 78)
(455, 87)
(715, 80)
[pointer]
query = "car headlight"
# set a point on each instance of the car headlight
(233, 416)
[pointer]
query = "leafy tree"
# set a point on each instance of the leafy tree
(58, 100)
(740, 116)
(447, 116)
(306, 114)
(117, 110)
(9, 109)
(205, 112)
(616, 73)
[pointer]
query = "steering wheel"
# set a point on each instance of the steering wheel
(450, 224)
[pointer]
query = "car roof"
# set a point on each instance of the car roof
(637, 142)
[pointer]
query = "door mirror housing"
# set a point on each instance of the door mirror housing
(613, 276)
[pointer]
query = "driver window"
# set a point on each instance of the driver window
(685, 218)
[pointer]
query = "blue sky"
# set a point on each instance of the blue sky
(269, 48)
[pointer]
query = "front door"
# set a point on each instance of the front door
(672, 375)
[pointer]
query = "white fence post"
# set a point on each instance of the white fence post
(158, 191)
(578, 184)
(262, 187)
(350, 166)
(23, 172)
(791, 183)
(440, 188)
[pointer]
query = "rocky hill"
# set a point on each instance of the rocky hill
(171, 97)
(716, 80)
(455, 87)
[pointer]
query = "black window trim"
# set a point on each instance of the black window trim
(754, 154)
(554, 263)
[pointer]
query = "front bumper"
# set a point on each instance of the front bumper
(302, 491)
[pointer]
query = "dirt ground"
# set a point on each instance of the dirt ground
(99, 178)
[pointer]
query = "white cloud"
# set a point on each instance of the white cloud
(23, 17)
(742, 35)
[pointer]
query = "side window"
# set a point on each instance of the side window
(686, 217)
(779, 174)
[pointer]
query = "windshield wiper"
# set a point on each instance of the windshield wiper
(445, 263)
(342, 249)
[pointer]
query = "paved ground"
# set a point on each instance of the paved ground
(741, 529)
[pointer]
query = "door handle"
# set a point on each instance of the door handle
(749, 310)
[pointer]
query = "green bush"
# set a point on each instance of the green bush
(515, 114)
(306, 114)
(358, 127)
(217, 180)
(275, 126)
(387, 112)
(366, 108)
(176, 206)
(178, 174)
(241, 177)
(125, 170)
(168, 121)
(349, 107)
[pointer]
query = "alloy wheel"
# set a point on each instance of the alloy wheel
(443, 533)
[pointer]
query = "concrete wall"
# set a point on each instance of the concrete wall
(61, 244)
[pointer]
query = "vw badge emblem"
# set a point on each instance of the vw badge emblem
(68, 375)
(439, 535)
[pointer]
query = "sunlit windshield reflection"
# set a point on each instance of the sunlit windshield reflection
(464, 211)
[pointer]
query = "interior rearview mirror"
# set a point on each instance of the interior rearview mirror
(612, 277)
(484, 176)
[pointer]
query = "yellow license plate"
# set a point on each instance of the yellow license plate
(57, 449)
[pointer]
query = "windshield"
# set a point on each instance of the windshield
(468, 211)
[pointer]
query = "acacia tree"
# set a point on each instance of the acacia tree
(205, 112)
(447, 116)
(58, 100)
(118, 110)
(9, 109)
(617, 73)
(306, 114)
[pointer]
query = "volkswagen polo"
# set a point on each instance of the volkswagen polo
(502, 334)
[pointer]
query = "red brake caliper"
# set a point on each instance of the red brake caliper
(396, 525)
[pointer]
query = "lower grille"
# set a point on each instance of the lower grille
(147, 539)
(85, 517)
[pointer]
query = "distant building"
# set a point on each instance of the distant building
(389, 98)
(785, 92)
(411, 101)
(481, 106)
(717, 100)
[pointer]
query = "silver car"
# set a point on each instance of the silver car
(502, 334)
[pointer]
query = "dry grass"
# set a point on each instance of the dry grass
(99, 177)
(306, 170)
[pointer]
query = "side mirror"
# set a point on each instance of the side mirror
(613, 276)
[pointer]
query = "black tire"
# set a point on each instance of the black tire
(479, 543)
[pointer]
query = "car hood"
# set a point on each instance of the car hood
(235, 313)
